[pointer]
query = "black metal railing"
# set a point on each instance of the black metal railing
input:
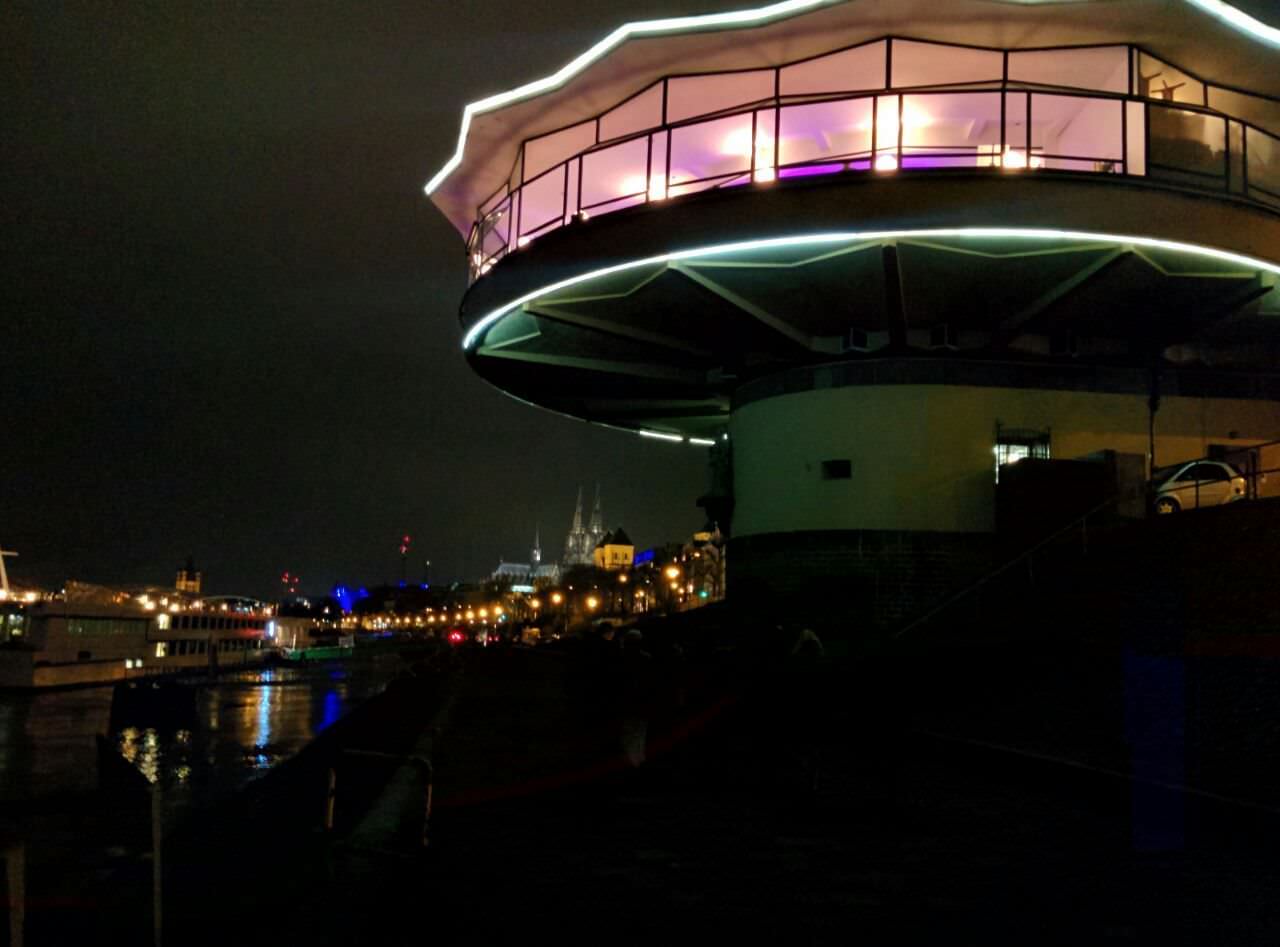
(1174, 143)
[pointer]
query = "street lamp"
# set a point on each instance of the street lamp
(592, 602)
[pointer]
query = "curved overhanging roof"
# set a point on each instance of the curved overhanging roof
(617, 345)
(1039, 240)
(1218, 42)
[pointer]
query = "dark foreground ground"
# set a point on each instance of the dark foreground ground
(1049, 794)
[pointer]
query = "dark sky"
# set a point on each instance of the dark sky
(229, 314)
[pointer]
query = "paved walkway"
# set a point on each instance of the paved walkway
(540, 835)
(906, 839)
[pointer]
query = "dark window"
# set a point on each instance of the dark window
(1211, 472)
(837, 469)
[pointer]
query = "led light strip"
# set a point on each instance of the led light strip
(661, 436)
(680, 24)
(1238, 19)
(473, 334)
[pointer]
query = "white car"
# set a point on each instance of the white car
(1197, 483)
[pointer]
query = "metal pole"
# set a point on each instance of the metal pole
(331, 798)
(426, 816)
(157, 843)
(15, 869)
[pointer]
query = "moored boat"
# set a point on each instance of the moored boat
(90, 634)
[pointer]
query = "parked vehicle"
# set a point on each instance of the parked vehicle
(1195, 484)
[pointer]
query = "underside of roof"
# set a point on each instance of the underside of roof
(1177, 30)
(663, 345)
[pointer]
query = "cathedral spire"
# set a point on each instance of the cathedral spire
(597, 518)
(537, 546)
(577, 549)
(595, 532)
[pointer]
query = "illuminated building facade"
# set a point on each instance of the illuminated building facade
(869, 246)
(614, 552)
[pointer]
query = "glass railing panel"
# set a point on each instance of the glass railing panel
(1186, 147)
(658, 165)
(886, 122)
(1135, 129)
(1235, 158)
(615, 177)
(1077, 133)
(495, 230)
(824, 136)
(1263, 153)
(542, 203)
(764, 160)
(955, 130)
(711, 154)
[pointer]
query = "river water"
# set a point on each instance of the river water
(247, 722)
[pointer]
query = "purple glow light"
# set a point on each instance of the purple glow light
(917, 161)
(811, 170)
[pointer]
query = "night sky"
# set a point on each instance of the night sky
(230, 315)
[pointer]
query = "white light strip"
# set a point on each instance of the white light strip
(1014, 233)
(1240, 20)
(702, 442)
(679, 24)
(658, 435)
(735, 18)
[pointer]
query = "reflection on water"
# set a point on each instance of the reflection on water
(248, 722)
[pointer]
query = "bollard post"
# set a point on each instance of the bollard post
(426, 816)
(157, 844)
(331, 798)
(15, 858)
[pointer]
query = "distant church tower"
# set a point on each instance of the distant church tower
(581, 542)
(189, 580)
(536, 560)
(595, 532)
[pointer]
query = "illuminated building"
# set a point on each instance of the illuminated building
(614, 551)
(189, 579)
(580, 543)
(872, 247)
(533, 572)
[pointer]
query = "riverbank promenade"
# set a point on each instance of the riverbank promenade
(1046, 795)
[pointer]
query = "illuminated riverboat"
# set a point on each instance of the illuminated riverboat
(89, 634)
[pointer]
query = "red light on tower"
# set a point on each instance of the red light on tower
(404, 553)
